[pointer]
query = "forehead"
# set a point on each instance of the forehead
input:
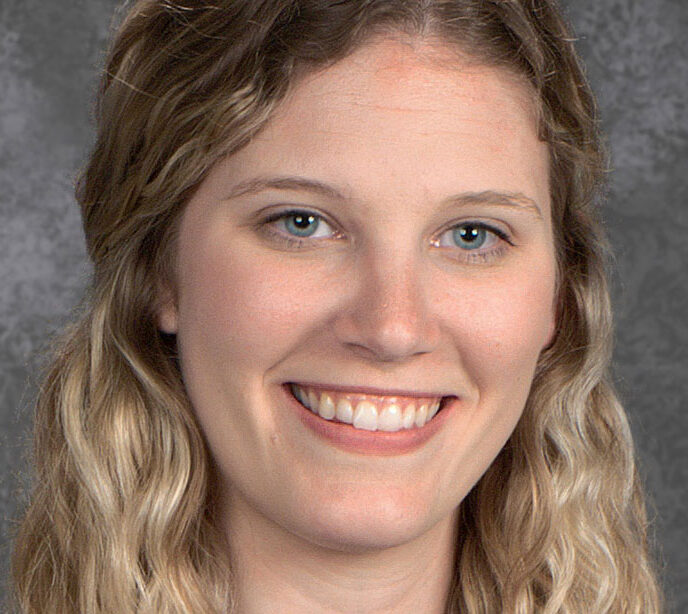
(400, 119)
(423, 77)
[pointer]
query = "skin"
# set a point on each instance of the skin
(381, 297)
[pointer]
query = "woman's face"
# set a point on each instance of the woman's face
(419, 262)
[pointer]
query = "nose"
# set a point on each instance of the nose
(386, 316)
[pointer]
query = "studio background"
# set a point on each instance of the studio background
(636, 52)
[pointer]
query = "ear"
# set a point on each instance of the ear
(551, 332)
(166, 311)
(553, 323)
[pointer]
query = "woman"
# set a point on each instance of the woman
(347, 343)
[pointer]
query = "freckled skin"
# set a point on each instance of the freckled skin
(398, 133)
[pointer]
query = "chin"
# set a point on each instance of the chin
(364, 529)
(360, 541)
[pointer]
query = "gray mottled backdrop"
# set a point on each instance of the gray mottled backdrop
(637, 57)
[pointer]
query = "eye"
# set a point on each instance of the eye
(296, 227)
(300, 228)
(472, 236)
(474, 242)
(302, 224)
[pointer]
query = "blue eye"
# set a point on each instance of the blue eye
(301, 223)
(471, 236)
(298, 229)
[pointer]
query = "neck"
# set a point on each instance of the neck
(277, 571)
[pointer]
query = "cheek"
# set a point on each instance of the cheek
(237, 315)
(503, 324)
(233, 304)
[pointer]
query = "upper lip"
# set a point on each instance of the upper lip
(383, 392)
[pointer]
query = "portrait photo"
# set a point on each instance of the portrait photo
(327, 306)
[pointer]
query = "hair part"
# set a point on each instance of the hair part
(121, 517)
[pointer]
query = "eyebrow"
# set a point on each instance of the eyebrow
(254, 185)
(516, 200)
(303, 184)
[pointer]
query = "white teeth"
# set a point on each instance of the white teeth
(298, 393)
(421, 415)
(313, 402)
(345, 412)
(365, 416)
(326, 407)
(409, 418)
(432, 410)
(390, 418)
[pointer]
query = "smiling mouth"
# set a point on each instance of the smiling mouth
(369, 412)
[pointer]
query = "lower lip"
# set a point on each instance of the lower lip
(380, 443)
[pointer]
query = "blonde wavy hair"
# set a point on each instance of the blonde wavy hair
(121, 516)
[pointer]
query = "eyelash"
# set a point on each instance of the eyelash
(467, 255)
